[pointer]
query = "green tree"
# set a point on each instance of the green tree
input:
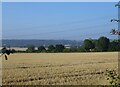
(88, 44)
(41, 49)
(59, 48)
(66, 50)
(114, 45)
(30, 48)
(81, 49)
(51, 48)
(13, 50)
(71, 50)
(102, 44)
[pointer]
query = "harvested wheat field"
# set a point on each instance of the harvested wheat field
(58, 68)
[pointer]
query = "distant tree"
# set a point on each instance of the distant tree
(13, 50)
(74, 49)
(114, 45)
(94, 41)
(88, 44)
(81, 49)
(71, 50)
(31, 48)
(102, 44)
(67, 50)
(59, 48)
(41, 49)
(51, 48)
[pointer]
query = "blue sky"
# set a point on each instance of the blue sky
(72, 21)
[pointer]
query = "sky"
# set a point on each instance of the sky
(58, 20)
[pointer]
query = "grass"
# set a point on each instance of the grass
(58, 68)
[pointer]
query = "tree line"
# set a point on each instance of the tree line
(103, 44)
(42, 49)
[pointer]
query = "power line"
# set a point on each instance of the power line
(68, 30)
(69, 23)
(91, 34)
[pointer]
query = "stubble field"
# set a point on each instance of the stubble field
(58, 68)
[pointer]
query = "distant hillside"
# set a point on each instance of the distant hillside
(25, 43)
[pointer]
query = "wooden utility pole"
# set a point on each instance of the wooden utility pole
(118, 5)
